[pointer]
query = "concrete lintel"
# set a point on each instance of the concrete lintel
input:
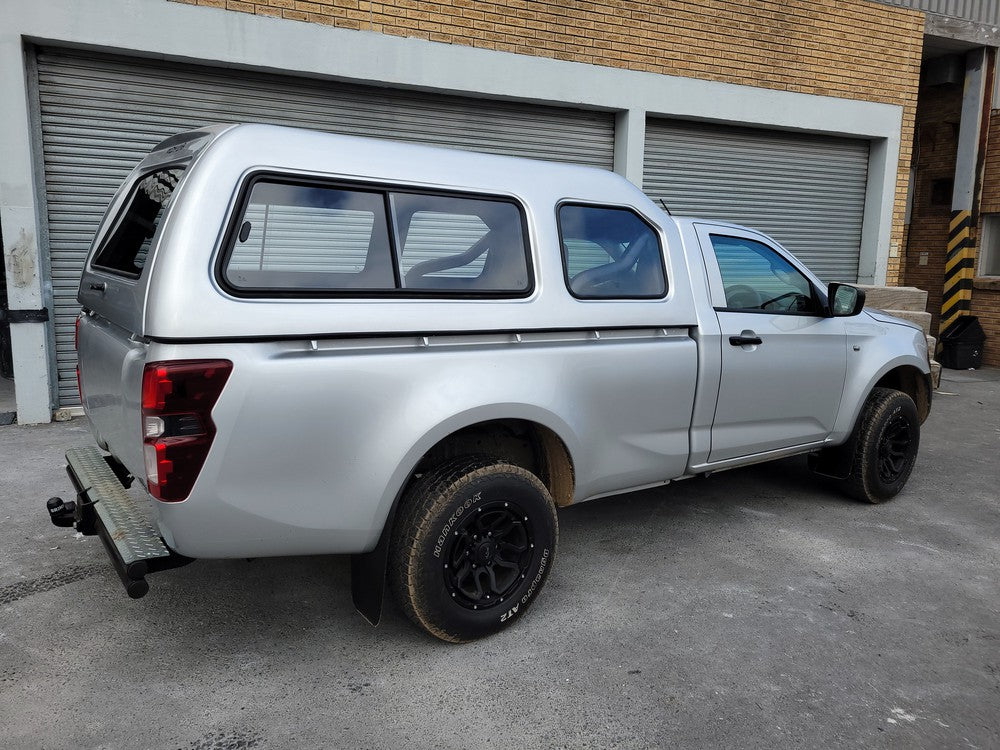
(949, 27)
(214, 36)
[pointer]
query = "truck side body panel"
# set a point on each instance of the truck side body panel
(343, 418)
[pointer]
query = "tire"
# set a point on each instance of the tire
(886, 439)
(449, 521)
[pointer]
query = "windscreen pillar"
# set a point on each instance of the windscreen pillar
(959, 267)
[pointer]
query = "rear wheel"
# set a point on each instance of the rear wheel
(472, 547)
(886, 440)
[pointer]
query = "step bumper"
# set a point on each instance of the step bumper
(103, 507)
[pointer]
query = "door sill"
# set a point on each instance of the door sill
(756, 458)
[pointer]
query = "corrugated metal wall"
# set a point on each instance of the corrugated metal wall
(981, 11)
(100, 114)
(807, 191)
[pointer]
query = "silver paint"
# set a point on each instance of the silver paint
(319, 431)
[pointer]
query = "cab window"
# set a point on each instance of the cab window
(610, 253)
(757, 279)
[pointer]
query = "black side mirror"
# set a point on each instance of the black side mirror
(845, 300)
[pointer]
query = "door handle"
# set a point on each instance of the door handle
(744, 340)
(100, 286)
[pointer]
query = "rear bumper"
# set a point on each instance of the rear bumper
(104, 508)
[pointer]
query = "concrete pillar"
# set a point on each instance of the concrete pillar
(960, 264)
(22, 253)
(630, 144)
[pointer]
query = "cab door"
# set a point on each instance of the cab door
(784, 361)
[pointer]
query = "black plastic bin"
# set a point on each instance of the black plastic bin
(962, 344)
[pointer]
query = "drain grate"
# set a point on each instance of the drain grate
(7, 417)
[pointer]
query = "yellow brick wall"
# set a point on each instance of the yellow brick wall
(855, 49)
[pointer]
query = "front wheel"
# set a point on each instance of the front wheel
(886, 440)
(472, 547)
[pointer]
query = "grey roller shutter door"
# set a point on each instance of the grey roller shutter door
(806, 191)
(100, 114)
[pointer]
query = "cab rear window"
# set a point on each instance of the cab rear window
(125, 250)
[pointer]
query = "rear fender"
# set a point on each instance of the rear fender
(368, 569)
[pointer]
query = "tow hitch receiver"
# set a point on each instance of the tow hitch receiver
(62, 514)
(103, 507)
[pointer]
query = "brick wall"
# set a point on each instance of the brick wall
(986, 305)
(855, 49)
(990, 194)
(986, 292)
(938, 114)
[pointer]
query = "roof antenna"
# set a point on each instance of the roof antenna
(662, 203)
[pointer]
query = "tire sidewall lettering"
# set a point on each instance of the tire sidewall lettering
(452, 520)
(542, 568)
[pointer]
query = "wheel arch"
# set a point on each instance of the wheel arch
(533, 439)
(913, 382)
(837, 461)
(907, 373)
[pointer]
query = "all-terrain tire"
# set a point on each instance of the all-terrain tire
(886, 439)
(472, 546)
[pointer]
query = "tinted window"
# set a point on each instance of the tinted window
(756, 278)
(610, 253)
(459, 244)
(125, 250)
(309, 237)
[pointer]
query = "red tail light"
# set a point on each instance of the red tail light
(177, 401)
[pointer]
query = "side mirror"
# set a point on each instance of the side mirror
(845, 300)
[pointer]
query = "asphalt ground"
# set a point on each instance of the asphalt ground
(757, 608)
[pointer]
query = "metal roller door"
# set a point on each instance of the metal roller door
(806, 191)
(100, 114)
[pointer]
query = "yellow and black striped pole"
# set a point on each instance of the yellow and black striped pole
(958, 270)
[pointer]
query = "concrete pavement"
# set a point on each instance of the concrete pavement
(757, 608)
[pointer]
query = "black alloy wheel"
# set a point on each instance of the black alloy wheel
(471, 547)
(885, 443)
(894, 449)
(488, 555)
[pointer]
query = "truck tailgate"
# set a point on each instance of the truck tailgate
(111, 363)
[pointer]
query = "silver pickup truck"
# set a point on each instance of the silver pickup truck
(303, 344)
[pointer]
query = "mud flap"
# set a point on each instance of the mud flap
(835, 462)
(368, 571)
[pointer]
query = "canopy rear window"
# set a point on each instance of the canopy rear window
(125, 250)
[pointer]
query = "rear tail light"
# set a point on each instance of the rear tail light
(177, 427)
